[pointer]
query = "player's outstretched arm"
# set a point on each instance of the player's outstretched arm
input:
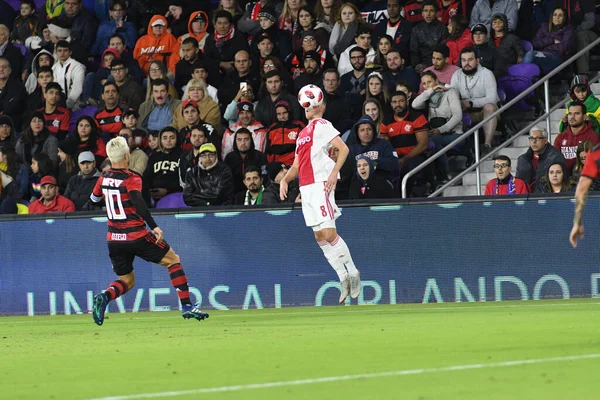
(581, 194)
(289, 176)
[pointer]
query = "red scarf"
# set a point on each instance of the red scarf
(222, 39)
(255, 11)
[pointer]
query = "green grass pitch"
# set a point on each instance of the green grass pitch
(509, 350)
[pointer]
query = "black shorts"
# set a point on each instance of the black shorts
(122, 254)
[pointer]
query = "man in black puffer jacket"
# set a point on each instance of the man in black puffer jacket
(425, 36)
(210, 182)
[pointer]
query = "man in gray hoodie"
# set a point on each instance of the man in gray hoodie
(80, 186)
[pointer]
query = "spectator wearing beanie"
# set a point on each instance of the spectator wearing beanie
(488, 55)
(267, 23)
(312, 71)
(7, 130)
(246, 120)
(484, 10)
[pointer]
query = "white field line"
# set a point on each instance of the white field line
(328, 379)
(366, 308)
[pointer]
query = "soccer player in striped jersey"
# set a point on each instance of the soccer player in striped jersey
(318, 177)
(128, 237)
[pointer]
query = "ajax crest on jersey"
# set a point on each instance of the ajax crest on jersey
(310, 96)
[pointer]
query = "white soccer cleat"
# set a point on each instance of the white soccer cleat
(344, 289)
(355, 285)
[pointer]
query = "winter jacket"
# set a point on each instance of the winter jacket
(107, 29)
(482, 13)
(281, 141)
(8, 189)
(591, 102)
(449, 109)
(401, 36)
(209, 113)
(265, 110)
(380, 152)
(238, 164)
(25, 27)
(83, 34)
(226, 51)
(31, 82)
(456, 45)
(480, 88)
(208, 187)
(187, 161)
(259, 137)
(489, 57)
(131, 93)
(200, 38)
(496, 187)
(44, 143)
(80, 188)
(70, 76)
(59, 204)
(271, 193)
(423, 39)
(12, 101)
(567, 142)
(510, 47)
(163, 48)
(374, 187)
(544, 40)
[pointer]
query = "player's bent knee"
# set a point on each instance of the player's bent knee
(170, 258)
(129, 280)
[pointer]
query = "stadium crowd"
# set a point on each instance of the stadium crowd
(205, 92)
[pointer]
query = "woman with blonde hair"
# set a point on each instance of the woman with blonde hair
(157, 70)
(344, 30)
(209, 110)
(289, 16)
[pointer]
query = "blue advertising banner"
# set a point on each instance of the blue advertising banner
(460, 252)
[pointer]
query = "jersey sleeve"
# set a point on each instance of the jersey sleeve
(328, 132)
(134, 183)
(590, 169)
(96, 195)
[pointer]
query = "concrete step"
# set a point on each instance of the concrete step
(468, 190)
(512, 152)
(595, 88)
(471, 178)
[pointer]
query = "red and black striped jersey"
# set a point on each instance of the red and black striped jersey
(124, 222)
(57, 121)
(110, 121)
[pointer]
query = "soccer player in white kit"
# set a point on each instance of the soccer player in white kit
(318, 175)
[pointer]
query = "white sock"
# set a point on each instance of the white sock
(343, 253)
(333, 259)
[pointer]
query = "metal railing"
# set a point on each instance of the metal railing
(479, 160)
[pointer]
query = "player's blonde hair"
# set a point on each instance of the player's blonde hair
(116, 149)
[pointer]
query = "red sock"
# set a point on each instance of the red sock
(180, 283)
(116, 289)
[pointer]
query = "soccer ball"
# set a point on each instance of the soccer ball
(310, 96)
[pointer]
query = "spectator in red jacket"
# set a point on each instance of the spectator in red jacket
(505, 182)
(51, 201)
(460, 37)
(579, 130)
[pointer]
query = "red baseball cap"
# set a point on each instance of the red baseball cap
(48, 180)
(187, 103)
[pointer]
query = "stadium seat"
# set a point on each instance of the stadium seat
(173, 200)
(520, 77)
(527, 46)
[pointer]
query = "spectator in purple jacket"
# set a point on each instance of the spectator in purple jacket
(551, 42)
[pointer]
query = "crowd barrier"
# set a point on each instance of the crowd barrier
(412, 253)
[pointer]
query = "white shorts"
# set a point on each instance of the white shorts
(319, 208)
